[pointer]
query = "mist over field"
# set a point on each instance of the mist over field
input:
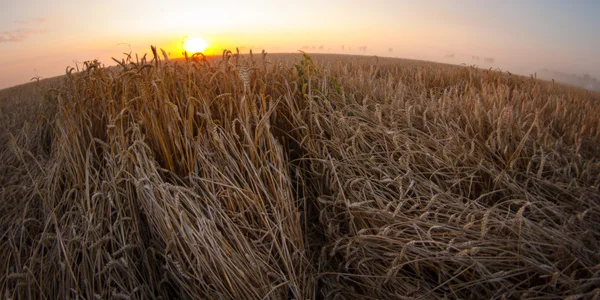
(19, 72)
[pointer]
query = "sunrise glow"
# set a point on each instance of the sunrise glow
(523, 38)
(195, 45)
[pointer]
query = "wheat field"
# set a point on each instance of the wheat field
(298, 177)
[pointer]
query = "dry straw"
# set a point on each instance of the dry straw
(300, 178)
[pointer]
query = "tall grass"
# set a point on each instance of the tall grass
(299, 177)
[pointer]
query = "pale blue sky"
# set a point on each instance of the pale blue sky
(43, 37)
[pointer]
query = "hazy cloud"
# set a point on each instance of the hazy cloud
(449, 56)
(14, 35)
(489, 60)
(33, 21)
(23, 33)
(390, 50)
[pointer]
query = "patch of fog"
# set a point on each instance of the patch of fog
(584, 81)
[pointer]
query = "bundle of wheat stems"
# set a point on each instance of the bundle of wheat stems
(247, 177)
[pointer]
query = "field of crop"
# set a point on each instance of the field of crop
(298, 177)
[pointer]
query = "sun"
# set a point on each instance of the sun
(194, 45)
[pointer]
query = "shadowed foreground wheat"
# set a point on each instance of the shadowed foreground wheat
(332, 176)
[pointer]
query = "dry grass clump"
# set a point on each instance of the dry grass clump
(338, 177)
(162, 180)
(429, 185)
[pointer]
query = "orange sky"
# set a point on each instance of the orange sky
(43, 37)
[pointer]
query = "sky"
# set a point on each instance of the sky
(42, 38)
